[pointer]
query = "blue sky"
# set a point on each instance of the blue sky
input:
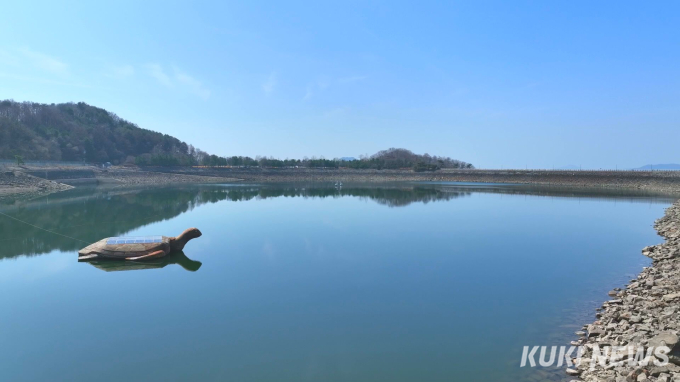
(498, 84)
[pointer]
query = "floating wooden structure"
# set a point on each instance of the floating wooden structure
(137, 248)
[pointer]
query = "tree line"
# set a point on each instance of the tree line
(394, 158)
(81, 132)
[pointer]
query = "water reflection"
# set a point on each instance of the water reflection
(179, 258)
(94, 213)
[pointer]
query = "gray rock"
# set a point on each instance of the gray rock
(671, 296)
(666, 338)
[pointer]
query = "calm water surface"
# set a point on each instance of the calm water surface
(412, 282)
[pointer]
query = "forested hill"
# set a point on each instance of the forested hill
(78, 131)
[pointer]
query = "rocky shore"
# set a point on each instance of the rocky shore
(16, 184)
(25, 183)
(645, 314)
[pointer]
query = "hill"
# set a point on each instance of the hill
(80, 132)
(394, 158)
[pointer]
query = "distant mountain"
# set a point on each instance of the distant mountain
(667, 166)
(348, 159)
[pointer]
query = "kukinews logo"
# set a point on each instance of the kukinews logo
(564, 358)
(606, 356)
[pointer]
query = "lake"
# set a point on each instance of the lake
(312, 282)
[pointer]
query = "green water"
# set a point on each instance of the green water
(410, 282)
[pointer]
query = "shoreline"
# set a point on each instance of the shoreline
(646, 313)
(56, 179)
(19, 185)
(22, 183)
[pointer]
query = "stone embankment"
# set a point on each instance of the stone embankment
(661, 181)
(657, 181)
(644, 314)
(125, 176)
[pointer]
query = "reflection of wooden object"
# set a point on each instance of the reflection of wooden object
(137, 248)
(113, 265)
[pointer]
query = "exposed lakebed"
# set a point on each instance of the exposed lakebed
(434, 282)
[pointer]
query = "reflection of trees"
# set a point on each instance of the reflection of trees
(399, 197)
(391, 196)
(91, 214)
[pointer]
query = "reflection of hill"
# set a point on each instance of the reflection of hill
(394, 196)
(93, 214)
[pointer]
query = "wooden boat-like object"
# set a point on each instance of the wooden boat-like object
(137, 248)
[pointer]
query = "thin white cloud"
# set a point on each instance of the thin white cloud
(194, 85)
(346, 80)
(121, 72)
(318, 86)
(314, 88)
(531, 85)
(178, 79)
(270, 84)
(44, 62)
(156, 71)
